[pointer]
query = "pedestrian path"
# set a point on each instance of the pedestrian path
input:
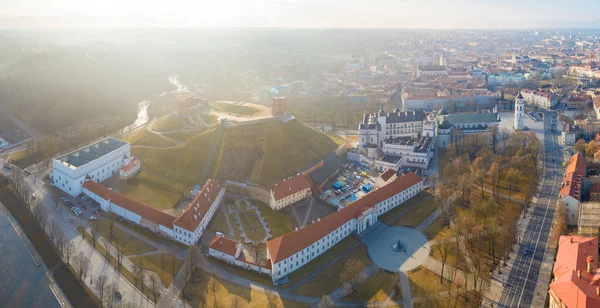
(407, 301)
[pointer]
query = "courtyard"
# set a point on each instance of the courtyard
(381, 239)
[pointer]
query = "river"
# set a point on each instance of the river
(23, 284)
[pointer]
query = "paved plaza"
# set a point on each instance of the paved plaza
(380, 241)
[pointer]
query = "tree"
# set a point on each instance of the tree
(443, 250)
(195, 260)
(138, 274)
(53, 230)
(590, 149)
(40, 214)
(325, 302)
(111, 227)
(81, 264)
(494, 137)
(351, 273)
(154, 287)
(94, 232)
(68, 250)
(212, 286)
(494, 176)
(512, 175)
(236, 302)
(478, 174)
(580, 146)
(100, 284)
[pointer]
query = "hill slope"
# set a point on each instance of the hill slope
(263, 153)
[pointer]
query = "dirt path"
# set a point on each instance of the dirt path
(178, 143)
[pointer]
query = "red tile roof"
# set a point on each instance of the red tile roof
(286, 245)
(574, 252)
(290, 186)
(224, 245)
(131, 164)
(574, 174)
(195, 211)
(143, 210)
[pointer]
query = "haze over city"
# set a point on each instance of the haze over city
(427, 14)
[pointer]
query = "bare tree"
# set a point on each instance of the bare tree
(41, 215)
(325, 302)
(53, 230)
(107, 246)
(213, 285)
(81, 264)
(443, 250)
(162, 264)
(351, 273)
(195, 260)
(100, 284)
(154, 288)
(138, 274)
(119, 253)
(111, 227)
(93, 232)
(68, 250)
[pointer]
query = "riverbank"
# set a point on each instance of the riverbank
(76, 294)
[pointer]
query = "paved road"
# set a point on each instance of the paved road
(520, 284)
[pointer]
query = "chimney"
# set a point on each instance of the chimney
(598, 291)
(590, 264)
(571, 240)
(296, 229)
(579, 274)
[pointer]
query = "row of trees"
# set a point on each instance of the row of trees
(482, 170)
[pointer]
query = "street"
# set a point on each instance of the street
(519, 286)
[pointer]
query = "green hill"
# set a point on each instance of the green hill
(168, 123)
(263, 153)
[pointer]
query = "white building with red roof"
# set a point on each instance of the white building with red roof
(185, 228)
(188, 227)
(576, 280)
(130, 169)
(289, 191)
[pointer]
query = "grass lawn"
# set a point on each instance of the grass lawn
(329, 279)
(424, 281)
(252, 226)
(143, 137)
(126, 273)
(168, 123)
(323, 259)
(377, 288)
(218, 222)
(452, 259)
(151, 189)
(277, 221)
(416, 214)
(152, 262)
(209, 119)
(128, 244)
(235, 109)
(220, 294)
(392, 214)
(437, 230)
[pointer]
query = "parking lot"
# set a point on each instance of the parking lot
(81, 206)
(353, 183)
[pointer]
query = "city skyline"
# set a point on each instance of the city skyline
(431, 14)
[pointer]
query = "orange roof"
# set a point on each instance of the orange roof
(224, 245)
(131, 164)
(195, 211)
(577, 164)
(574, 252)
(290, 186)
(143, 210)
(571, 186)
(286, 245)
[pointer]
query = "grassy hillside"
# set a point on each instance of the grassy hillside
(209, 119)
(263, 153)
(168, 123)
(144, 137)
(235, 109)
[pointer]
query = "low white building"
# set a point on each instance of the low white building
(224, 249)
(386, 162)
(190, 225)
(113, 202)
(95, 162)
(289, 191)
(568, 135)
(130, 169)
(291, 251)
(414, 152)
(185, 228)
(453, 127)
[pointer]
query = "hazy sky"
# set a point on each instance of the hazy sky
(300, 13)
